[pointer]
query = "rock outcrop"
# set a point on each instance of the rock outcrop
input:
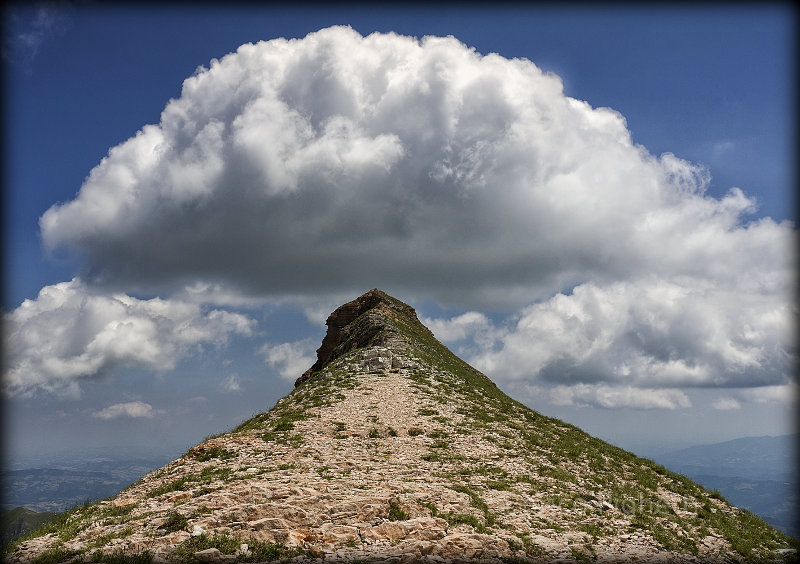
(392, 449)
(361, 323)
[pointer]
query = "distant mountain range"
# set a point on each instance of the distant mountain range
(756, 473)
(59, 489)
(759, 458)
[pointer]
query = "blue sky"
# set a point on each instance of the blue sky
(712, 85)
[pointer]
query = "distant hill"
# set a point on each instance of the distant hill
(756, 473)
(20, 521)
(759, 458)
(59, 489)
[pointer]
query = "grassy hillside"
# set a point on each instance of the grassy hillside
(21, 521)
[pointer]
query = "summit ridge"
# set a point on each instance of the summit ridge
(390, 448)
(361, 322)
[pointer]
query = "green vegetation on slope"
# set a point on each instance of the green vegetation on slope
(21, 521)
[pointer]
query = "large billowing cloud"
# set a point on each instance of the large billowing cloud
(337, 163)
(341, 161)
(70, 333)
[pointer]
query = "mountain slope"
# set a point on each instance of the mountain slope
(774, 502)
(390, 448)
(20, 521)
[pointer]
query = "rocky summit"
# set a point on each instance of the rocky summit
(392, 449)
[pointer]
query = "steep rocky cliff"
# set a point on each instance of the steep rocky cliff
(392, 449)
(366, 321)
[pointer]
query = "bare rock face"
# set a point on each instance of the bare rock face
(359, 323)
(392, 449)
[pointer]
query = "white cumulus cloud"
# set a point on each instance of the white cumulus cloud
(471, 324)
(787, 394)
(391, 162)
(652, 332)
(70, 332)
(289, 359)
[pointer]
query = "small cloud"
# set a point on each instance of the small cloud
(201, 292)
(133, 409)
(289, 359)
(231, 383)
(722, 148)
(726, 404)
(458, 328)
(31, 27)
(786, 394)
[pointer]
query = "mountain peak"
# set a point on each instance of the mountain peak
(370, 319)
(393, 449)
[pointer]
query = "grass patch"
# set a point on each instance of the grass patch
(716, 495)
(498, 485)
(179, 484)
(54, 556)
(465, 519)
(228, 544)
(112, 512)
(396, 512)
(431, 507)
(266, 552)
(477, 502)
(175, 522)
(119, 557)
(100, 541)
(580, 555)
(214, 452)
(290, 439)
